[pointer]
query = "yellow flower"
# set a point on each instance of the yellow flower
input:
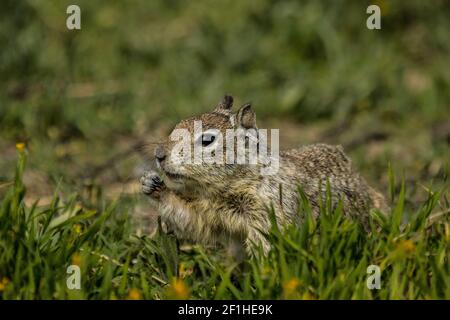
(76, 259)
(266, 271)
(77, 228)
(178, 290)
(134, 294)
(308, 296)
(290, 287)
(385, 7)
(3, 283)
(406, 246)
(20, 146)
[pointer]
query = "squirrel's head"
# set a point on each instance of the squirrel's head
(199, 151)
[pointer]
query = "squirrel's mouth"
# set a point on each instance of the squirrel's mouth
(174, 176)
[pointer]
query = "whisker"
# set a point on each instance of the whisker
(145, 149)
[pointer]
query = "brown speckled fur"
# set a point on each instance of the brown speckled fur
(229, 202)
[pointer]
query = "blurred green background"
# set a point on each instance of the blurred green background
(82, 99)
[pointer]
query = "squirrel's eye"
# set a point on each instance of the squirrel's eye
(207, 139)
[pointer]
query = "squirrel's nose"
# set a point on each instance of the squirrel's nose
(160, 153)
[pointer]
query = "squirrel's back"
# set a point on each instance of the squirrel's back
(313, 167)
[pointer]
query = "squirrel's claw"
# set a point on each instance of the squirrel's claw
(151, 184)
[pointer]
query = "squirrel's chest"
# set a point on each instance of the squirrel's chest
(186, 215)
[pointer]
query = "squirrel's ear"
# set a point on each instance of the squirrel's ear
(225, 105)
(246, 117)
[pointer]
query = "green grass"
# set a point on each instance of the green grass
(325, 258)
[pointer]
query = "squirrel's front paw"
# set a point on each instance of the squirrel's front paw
(151, 184)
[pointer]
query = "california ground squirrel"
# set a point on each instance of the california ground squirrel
(206, 203)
